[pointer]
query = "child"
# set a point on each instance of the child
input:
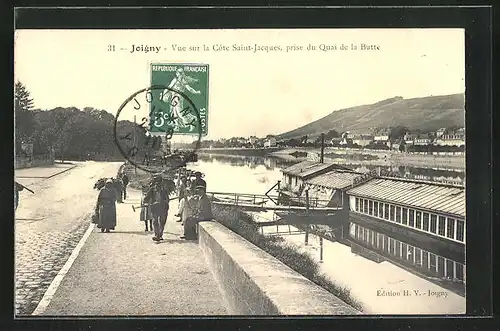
(146, 211)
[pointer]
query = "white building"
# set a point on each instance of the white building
(440, 132)
(409, 138)
(362, 139)
(422, 140)
(382, 136)
(271, 142)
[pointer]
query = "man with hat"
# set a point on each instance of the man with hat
(157, 197)
(198, 181)
(199, 209)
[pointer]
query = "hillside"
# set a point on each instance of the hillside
(428, 113)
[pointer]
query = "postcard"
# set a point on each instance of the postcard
(239, 172)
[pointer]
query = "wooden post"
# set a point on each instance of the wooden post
(321, 249)
(135, 137)
(307, 211)
(321, 159)
(307, 201)
(307, 234)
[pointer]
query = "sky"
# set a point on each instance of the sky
(251, 93)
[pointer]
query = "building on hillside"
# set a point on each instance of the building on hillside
(419, 214)
(440, 132)
(271, 142)
(382, 136)
(363, 139)
(456, 138)
(252, 140)
(423, 139)
(409, 138)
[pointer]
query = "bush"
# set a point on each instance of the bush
(289, 254)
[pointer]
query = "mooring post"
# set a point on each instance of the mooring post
(321, 159)
(307, 234)
(307, 212)
(307, 201)
(321, 249)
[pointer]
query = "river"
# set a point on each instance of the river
(385, 283)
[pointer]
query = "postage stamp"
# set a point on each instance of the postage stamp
(156, 128)
(169, 110)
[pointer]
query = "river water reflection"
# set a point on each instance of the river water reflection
(272, 163)
(400, 266)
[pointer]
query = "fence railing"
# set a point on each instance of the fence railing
(237, 199)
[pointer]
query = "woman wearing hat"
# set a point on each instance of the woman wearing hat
(198, 181)
(106, 207)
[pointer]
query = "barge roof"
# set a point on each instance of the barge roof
(429, 196)
(336, 179)
(307, 169)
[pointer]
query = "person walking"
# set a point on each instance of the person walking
(182, 191)
(106, 207)
(125, 181)
(157, 198)
(146, 216)
(17, 188)
(119, 189)
(199, 209)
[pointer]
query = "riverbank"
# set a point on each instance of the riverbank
(352, 157)
(383, 158)
(240, 151)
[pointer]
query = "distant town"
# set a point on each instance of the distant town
(396, 138)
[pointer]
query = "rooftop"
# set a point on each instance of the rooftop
(307, 168)
(336, 179)
(437, 197)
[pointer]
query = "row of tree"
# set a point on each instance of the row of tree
(74, 134)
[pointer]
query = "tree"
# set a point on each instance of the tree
(402, 146)
(332, 134)
(23, 106)
(22, 98)
(397, 132)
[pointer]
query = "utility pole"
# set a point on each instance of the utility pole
(135, 142)
(307, 223)
(321, 158)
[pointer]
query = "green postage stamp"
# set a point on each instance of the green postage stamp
(171, 111)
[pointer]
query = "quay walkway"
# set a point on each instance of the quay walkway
(126, 273)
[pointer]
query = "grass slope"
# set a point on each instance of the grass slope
(427, 113)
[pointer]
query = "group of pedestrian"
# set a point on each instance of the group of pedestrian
(112, 191)
(194, 205)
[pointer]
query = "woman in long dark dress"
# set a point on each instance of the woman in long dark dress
(106, 207)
